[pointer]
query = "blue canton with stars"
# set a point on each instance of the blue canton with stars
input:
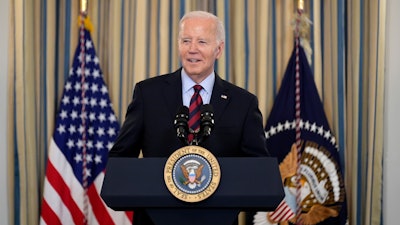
(100, 123)
(281, 124)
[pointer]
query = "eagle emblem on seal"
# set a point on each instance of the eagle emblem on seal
(192, 172)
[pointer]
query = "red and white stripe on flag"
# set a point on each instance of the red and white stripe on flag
(281, 213)
(63, 197)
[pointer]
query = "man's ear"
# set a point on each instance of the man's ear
(220, 49)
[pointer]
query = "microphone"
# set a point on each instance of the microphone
(207, 119)
(181, 123)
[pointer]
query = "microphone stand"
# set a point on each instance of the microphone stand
(195, 140)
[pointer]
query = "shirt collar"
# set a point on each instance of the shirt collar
(188, 83)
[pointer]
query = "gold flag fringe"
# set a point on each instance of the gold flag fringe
(86, 22)
(304, 33)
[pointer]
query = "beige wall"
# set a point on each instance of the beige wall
(391, 166)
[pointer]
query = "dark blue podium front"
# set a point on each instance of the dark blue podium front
(247, 184)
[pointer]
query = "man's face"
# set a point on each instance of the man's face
(198, 47)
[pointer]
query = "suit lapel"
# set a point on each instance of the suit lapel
(172, 92)
(220, 97)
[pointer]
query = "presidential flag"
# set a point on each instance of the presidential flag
(317, 196)
(85, 130)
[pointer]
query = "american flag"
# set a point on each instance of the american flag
(319, 191)
(86, 128)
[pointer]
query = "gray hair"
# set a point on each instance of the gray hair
(205, 15)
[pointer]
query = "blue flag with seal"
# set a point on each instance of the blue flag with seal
(318, 194)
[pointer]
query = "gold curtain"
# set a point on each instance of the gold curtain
(365, 99)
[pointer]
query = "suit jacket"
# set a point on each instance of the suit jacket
(149, 122)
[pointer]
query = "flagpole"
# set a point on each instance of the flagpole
(300, 5)
(300, 8)
(83, 14)
(84, 5)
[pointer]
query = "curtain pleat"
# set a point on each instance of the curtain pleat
(136, 40)
(379, 121)
(222, 67)
(284, 37)
(364, 139)
(263, 56)
(316, 45)
(12, 177)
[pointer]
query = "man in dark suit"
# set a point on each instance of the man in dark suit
(149, 124)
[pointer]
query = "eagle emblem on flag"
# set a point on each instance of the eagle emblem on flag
(321, 184)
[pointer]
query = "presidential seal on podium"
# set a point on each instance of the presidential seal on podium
(192, 173)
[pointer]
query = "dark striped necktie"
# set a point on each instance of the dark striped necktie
(194, 111)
